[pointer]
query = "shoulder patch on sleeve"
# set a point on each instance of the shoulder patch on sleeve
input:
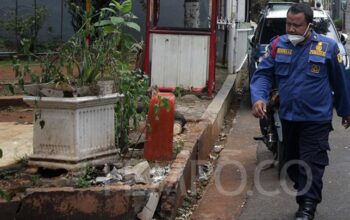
(339, 57)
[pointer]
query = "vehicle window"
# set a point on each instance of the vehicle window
(325, 27)
(258, 30)
(272, 27)
(277, 26)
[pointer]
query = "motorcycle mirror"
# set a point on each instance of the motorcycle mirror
(343, 38)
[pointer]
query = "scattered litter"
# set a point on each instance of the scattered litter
(205, 171)
(213, 156)
(106, 169)
(106, 180)
(218, 148)
(159, 173)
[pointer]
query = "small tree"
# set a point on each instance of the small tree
(24, 27)
(338, 24)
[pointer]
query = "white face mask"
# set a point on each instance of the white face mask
(295, 39)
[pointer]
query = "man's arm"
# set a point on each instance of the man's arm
(261, 83)
(340, 83)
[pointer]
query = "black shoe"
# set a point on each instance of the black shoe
(306, 210)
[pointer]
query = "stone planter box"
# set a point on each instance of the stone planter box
(71, 133)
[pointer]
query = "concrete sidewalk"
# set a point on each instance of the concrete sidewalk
(16, 142)
(233, 176)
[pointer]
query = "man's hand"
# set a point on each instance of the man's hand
(259, 109)
(346, 121)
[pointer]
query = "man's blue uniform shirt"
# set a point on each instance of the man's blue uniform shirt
(305, 76)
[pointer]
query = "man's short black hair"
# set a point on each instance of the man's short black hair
(302, 8)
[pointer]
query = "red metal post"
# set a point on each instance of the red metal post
(159, 135)
(212, 50)
(148, 26)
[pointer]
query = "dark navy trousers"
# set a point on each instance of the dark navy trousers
(305, 148)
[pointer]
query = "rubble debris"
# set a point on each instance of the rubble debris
(148, 211)
(177, 128)
(190, 98)
(222, 136)
(51, 92)
(118, 165)
(159, 173)
(140, 173)
(204, 172)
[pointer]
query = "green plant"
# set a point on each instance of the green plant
(25, 27)
(77, 7)
(7, 90)
(179, 91)
(178, 146)
(162, 103)
(98, 50)
(5, 195)
(35, 180)
(85, 180)
(133, 85)
(338, 23)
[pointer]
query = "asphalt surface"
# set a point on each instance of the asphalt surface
(264, 202)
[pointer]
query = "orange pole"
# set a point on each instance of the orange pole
(88, 5)
(88, 9)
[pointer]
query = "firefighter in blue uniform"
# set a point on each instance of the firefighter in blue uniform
(307, 68)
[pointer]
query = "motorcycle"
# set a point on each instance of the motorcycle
(271, 130)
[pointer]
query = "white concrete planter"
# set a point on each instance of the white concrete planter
(70, 133)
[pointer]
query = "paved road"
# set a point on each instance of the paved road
(336, 196)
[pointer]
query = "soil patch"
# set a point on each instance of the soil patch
(20, 114)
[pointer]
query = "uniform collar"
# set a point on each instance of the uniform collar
(314, 36)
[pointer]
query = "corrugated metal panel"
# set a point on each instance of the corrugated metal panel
(179, 61)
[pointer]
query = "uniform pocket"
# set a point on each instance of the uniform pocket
(316, 66)
(321, 156)
(282, 65)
